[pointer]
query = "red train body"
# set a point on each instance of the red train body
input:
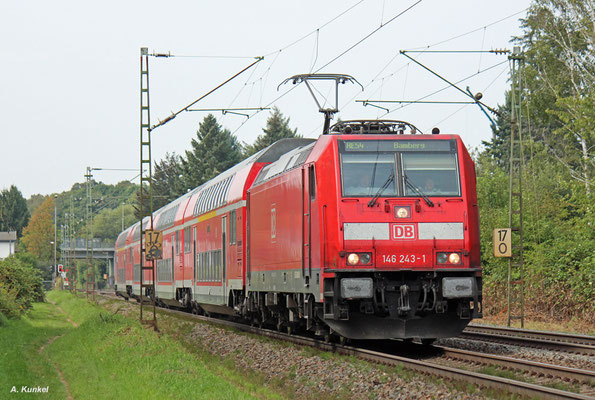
(370, 236)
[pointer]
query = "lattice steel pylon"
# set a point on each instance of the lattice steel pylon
(145, 194)
(516, 283)
(71, 243)
(90, 285)
(71, 233)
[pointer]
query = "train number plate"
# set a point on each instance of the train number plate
(405, 259)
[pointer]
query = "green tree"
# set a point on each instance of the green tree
(14, 214)
(108, 223)
(213, 151)
(558, 121)
(167, 180)
(35, 201)
(559, 74)
(39, 233)
(277, 128)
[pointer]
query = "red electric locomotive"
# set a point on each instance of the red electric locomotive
(367, 232)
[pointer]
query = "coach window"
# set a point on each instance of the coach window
(434, 174)
(177, 242)
(232, 227)
(187, 240)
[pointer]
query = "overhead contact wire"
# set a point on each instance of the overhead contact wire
(314, 31)
(337, 57)
(316, 57)
(469, 32)
(368, 35)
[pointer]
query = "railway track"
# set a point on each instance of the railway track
(530, 367)
(572, 343)
(436, 369)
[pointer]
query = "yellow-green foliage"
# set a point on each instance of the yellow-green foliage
(559, 239)
(20, 285)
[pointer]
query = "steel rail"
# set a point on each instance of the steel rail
(558, 371)
(493, 382)
(581, 344)
(545, 335)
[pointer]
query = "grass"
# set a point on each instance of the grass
(20, 361)
(575, 325)
(109, 356)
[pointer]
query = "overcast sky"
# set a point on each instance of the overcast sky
(69, 81)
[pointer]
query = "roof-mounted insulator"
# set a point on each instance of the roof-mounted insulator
(500, 51)
(375, 126)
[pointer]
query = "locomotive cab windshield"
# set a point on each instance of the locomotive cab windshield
(403, 168)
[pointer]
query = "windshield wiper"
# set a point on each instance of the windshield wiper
(386, 184)
(416, 189)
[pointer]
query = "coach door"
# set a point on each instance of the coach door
(194, 258)
(224, 259)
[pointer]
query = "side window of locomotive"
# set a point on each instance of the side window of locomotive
(364, 174)
(312, 180)
(435, 174)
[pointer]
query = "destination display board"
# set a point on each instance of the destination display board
(397, 145)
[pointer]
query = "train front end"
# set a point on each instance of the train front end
(404, 260)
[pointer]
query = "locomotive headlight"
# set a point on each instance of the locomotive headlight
(352, 259)
(403, 212)
(441, 258)
(454, 258)
(365, 258)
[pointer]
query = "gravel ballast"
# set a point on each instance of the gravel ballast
(310, 374)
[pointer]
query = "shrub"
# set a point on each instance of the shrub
(20, 286)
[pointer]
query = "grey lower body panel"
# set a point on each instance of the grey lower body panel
(216, 300)
(361, 326)
(285, 281)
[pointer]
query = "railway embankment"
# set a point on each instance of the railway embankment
(69, 348)
(302, 372)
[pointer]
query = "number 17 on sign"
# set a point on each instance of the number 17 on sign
(502, 242)
(153, 244)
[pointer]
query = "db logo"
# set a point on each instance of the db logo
(403, 231)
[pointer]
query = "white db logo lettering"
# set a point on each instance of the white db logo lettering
(403, 231)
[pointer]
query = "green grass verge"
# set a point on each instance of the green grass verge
(108, 357)
(21, 364)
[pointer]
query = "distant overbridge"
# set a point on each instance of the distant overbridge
(99, 249)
